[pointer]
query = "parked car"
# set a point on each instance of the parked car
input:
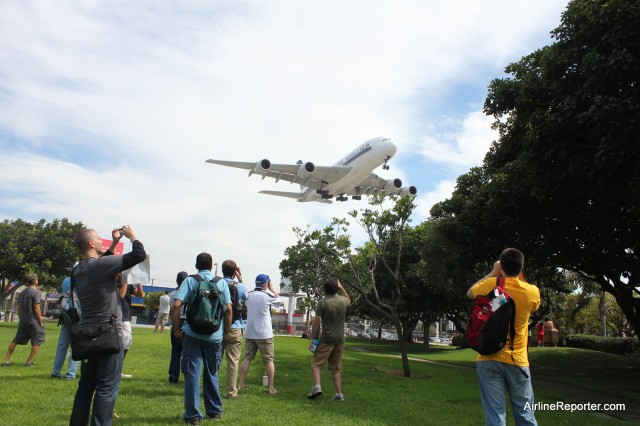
(52, 314)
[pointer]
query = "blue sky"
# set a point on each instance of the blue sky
(108, 109)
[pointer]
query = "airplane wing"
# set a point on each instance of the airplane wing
(294, 173)
(296, 195)
(374, 184)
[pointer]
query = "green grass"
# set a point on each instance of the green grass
(375, 391)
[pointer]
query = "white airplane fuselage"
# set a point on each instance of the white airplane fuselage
(362, 160)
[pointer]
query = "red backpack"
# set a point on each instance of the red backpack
(492, 321)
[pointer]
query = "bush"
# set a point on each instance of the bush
(459, 341)
(626, 346)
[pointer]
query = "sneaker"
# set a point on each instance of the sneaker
(216, 416)
(194, 421)
(29, 364)
(69, 378)
(5, 364)
(126, 376)
(338, 397)
(316, 391)
(56, 376)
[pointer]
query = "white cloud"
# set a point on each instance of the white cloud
(109, 109)
(466, 147)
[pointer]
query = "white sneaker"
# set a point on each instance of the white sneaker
(125, 376)
(338, 397)
(316, 391)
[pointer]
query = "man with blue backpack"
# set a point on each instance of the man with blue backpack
(208, 311)
(507, 370)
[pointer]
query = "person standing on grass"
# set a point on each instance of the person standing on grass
(507, 371)
(31, 325)
(259, 331)
(176, 344)
(200, 350)
(163, 312)
(233, 345)
(64, 340)
(330, 315)
(125, 291)
(94, 281)
(540, 328)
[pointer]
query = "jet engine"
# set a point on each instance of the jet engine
(409, 190)
(262, 167)
(305, 170)
(391, 184)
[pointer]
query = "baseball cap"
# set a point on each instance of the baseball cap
(181, 276)
(262, 279)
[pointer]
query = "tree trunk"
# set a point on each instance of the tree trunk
(380, 331)
(426, 322)
(602, 313)
(406, 368)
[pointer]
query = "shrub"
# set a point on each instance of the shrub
(459, 341)
(626, 346)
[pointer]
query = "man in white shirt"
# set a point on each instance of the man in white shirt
(163, 312)
(258, 330)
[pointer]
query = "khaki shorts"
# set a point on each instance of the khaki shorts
(328, 353)
(265, 346)
(161, 319)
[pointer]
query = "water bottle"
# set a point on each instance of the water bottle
(314, 345)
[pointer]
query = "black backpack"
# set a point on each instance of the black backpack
(205, 310)
(239, 307)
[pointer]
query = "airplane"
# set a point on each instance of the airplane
(351, 176)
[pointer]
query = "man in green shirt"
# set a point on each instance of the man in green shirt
(330, 315)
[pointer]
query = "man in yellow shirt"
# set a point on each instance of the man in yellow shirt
(507, 370)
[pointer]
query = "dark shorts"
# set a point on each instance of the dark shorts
(29, 331)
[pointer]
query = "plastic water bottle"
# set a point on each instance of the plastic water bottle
(314, 345)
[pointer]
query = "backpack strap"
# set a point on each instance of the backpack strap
(512, 324)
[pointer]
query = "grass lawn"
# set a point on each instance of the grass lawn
(375, 391)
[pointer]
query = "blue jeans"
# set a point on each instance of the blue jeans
(496, 379)
(63, 346)
(176, 353)
(100, 376)
(195, 354)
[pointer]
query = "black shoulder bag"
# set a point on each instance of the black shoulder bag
(92, 340)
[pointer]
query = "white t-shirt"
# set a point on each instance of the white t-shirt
(164, 304)
(259, 314)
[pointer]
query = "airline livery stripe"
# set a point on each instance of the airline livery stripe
(353, 156)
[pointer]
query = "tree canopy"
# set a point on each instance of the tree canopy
(44, 248)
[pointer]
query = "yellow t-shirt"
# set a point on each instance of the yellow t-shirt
(527, 299)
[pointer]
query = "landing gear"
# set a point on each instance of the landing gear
(385, 166)
(326, 196)
(341, 198)
(356, 197)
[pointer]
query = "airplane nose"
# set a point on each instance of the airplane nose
(390, 147)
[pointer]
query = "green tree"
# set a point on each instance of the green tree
(44, 248)
(564, 173)
(374, 271)
(152, 300)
